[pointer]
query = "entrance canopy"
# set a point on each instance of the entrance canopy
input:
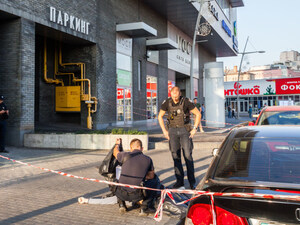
(161, 44)
(137, 30)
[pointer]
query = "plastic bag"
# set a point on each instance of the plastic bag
(108, 166)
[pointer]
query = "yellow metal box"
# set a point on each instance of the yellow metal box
(67, 99)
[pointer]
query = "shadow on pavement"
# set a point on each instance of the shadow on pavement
(37, 212)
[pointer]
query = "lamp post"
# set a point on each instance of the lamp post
(193, 45)
(239, 73)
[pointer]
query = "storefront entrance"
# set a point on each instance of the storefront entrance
(151, 97)
(124, 112)
(244, 105)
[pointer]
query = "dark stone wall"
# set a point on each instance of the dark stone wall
(17, 49)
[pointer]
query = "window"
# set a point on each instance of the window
(139, 74)
(225, 6)
(261, 159)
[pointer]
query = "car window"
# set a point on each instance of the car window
(280, 118)
(261, 159)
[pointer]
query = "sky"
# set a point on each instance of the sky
(272, 26)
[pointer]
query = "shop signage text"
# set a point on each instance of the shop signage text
(255, 90)
(235, 43)
(183, 45)
(288, 86)
(234, 39)
(213, 10)
(66, 20)
(250, 88)
(226, 28)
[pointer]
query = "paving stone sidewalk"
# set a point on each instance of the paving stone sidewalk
(32, 196)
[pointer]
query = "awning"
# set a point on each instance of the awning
(138, 29)
(161, 44)
(236, 3)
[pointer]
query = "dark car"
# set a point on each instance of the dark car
(256, 159)
(279, 115)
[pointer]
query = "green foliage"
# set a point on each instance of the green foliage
(122, 131)
(113, 131)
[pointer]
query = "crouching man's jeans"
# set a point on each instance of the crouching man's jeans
(179, 139)
(135, 195)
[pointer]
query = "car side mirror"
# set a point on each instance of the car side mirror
(215, 152)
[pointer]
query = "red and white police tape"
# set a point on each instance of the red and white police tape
(168, 192)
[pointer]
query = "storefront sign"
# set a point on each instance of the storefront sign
(124, 44)
(124, 78)
(288, 86)
(184, 45)
(179, 60)
(171, 84)
(250, 88)
(235, 43)
(213, 10)
(67, 20)
(120, 93)
(226, 28)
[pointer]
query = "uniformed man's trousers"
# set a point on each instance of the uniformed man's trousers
(180, 139)
(2, 134)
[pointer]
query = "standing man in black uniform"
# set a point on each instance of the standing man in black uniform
(3, 117)
(180, 133)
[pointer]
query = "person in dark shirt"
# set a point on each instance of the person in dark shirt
(136, 168)
(199, 107)
(4, 112)
(180, 133)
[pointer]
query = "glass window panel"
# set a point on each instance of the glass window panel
(123, 62)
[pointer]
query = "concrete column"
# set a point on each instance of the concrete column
(214, 94)
(17, 50)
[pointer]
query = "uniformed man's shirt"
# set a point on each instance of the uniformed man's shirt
(3, 107)
(135, 168)
(187, 105)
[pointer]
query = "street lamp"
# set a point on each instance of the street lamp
(193, 45)
(238, 82)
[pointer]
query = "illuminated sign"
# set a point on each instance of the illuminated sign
(235, 43)
(234, 39)
(67, 20)
(226, 28)
(250, 88)
(288, 86)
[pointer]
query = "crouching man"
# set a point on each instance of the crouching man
(137, 169)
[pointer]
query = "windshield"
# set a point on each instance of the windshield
(261, 159)
(282, 118)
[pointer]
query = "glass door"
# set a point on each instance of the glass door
(151, 104)
(151, 97)
(124, 108)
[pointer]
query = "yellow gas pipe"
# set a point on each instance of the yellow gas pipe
(56, 73)
(49, 80)
(90, 100)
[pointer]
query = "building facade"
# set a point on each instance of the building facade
(98, 63)
(291, 59)
(257, 93)
(273, 71)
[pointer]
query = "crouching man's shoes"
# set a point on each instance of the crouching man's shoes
(122, 207)
(146, 211)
